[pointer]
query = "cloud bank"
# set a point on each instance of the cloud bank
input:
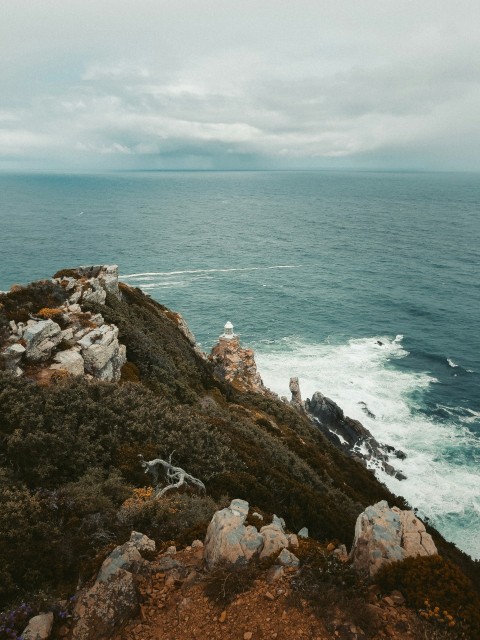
(227, 85)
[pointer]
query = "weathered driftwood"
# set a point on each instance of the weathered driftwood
(176, 476)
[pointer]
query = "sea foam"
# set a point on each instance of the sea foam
(443, 478)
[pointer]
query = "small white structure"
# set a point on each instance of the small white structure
(228, 332)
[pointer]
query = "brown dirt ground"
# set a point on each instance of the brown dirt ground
(175, 609)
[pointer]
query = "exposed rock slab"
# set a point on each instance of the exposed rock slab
(384, 535)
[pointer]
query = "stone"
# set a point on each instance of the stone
(70, 361)
(274, 538)
(105, 607)
(126, 556)
(223, 616)
(248, 635)
(255, 514)
(39, 627)
(296, 400)
(292, 541)
(228, 540)
(172, 550)
(12, 355)
(303, 533)
(141, 542)
(41, 338)
(104, 356)
(197, 544)
(287, 559)
(384, 535)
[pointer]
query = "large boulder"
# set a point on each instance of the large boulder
(384, 535)
(274, 538)
(105, 607)
(103, 355)
(114, 598)
(228, 540)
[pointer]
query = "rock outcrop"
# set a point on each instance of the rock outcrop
(236, 365)
(384, 535)
(229, 541)
(114, 598)
(348, 434)
(66, 338)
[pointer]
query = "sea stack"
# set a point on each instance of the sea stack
(234, 364)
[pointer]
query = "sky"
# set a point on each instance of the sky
(100, 85)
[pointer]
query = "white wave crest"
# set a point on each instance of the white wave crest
(148, 274)
(451, 363)
(442, 481)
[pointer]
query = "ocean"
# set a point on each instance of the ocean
(313, 268)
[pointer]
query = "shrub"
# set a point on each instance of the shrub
(225, 582)
(330, 585)
(438, 589)
(177, 517)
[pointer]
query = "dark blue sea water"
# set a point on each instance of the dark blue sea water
(312, 268)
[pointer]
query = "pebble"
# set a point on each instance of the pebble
(248, 635)
(223, 616)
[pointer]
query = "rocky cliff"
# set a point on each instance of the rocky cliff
(95, 374)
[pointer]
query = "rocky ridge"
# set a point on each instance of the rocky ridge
(66, 339)
(164, 596)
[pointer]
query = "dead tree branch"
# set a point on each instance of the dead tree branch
(176, 477)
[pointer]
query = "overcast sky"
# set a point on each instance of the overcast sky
(237, 84)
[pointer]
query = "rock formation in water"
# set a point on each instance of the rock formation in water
(344, 432)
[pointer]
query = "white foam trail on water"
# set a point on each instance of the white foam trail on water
(192, 271)
(452, 363)
(439, 482)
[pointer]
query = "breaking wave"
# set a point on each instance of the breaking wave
(443, 475)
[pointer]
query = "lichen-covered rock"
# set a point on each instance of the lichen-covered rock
(228, 540)
(113, 599)
(70, 361)
(104, 356)
(105, 607)
(384, 535)
(41, 338)
(39, 627)
(303, 533)
(126, 556)
(287, 559)
(12, 356)
(274, 538)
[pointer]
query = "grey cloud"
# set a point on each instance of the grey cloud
(264, 86)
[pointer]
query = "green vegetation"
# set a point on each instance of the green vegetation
(71, 485)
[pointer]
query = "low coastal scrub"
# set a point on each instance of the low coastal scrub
(69, 454)
(438, 589)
